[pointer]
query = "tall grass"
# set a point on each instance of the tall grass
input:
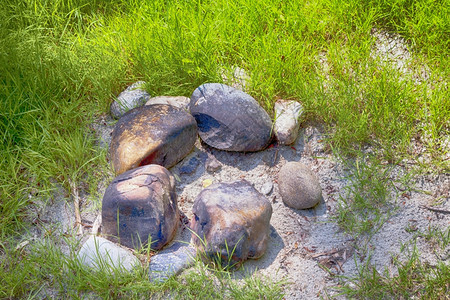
(62, 61)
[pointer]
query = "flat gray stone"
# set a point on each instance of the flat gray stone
(171, 261)
(266, 188)
(286, 125)
(177, 101)
(133, 96)
(97, 252)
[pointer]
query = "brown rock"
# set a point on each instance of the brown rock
(299, 186)
(152, 134)
(231, 221)
(139, 204)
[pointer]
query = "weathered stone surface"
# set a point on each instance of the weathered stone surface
(133, 96)
(190, 166)
(139, 204)
(232, 221)
(229, 119)
(154, 134)
(171, 261)
(299, 186)
(212, 164)
(97, 252)
(286, 125)
(177, 101)
(266, 188)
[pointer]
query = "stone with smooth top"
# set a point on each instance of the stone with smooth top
(171, 261)
(286, 125)
(177, 101)
(139, 205)
(299, 186)
(231, 221)
(229, 119)
(153, 134)
(97, 252)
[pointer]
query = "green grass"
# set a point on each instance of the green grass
(413, 277)
(62, 61)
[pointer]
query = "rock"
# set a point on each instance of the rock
(299, 186)
(171, 261)
(229, 119)
(266, 188)
(190, 166)
(286, 125)
(177, 101)
(212, 164)
(231, 221)
(97, 252)
(133, 96)
(141, 204)
(154, 134)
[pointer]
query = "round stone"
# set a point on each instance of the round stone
(152, 134)
(140, 207)
(231, 222)
(299, 186)
(229, 119)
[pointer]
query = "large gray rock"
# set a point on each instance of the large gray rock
(286, 125)
(141, 204)
(171, 261)
(299, 186)
(133, 96)
(229, 119)
(152, 134)
(177, 101)
(98, 252)
(231, 221)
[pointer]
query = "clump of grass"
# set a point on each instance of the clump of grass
(413, 277)
(41, 269)
(367, 204)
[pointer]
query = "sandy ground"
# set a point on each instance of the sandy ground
(301, 241)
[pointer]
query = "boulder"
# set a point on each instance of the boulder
(154, 134)
(139, 205)
(231, 222)
(98, 252)
(286, 125)
(133, 96)
(171, 261)
(177, 101)
(299, 186)
(229, 119)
